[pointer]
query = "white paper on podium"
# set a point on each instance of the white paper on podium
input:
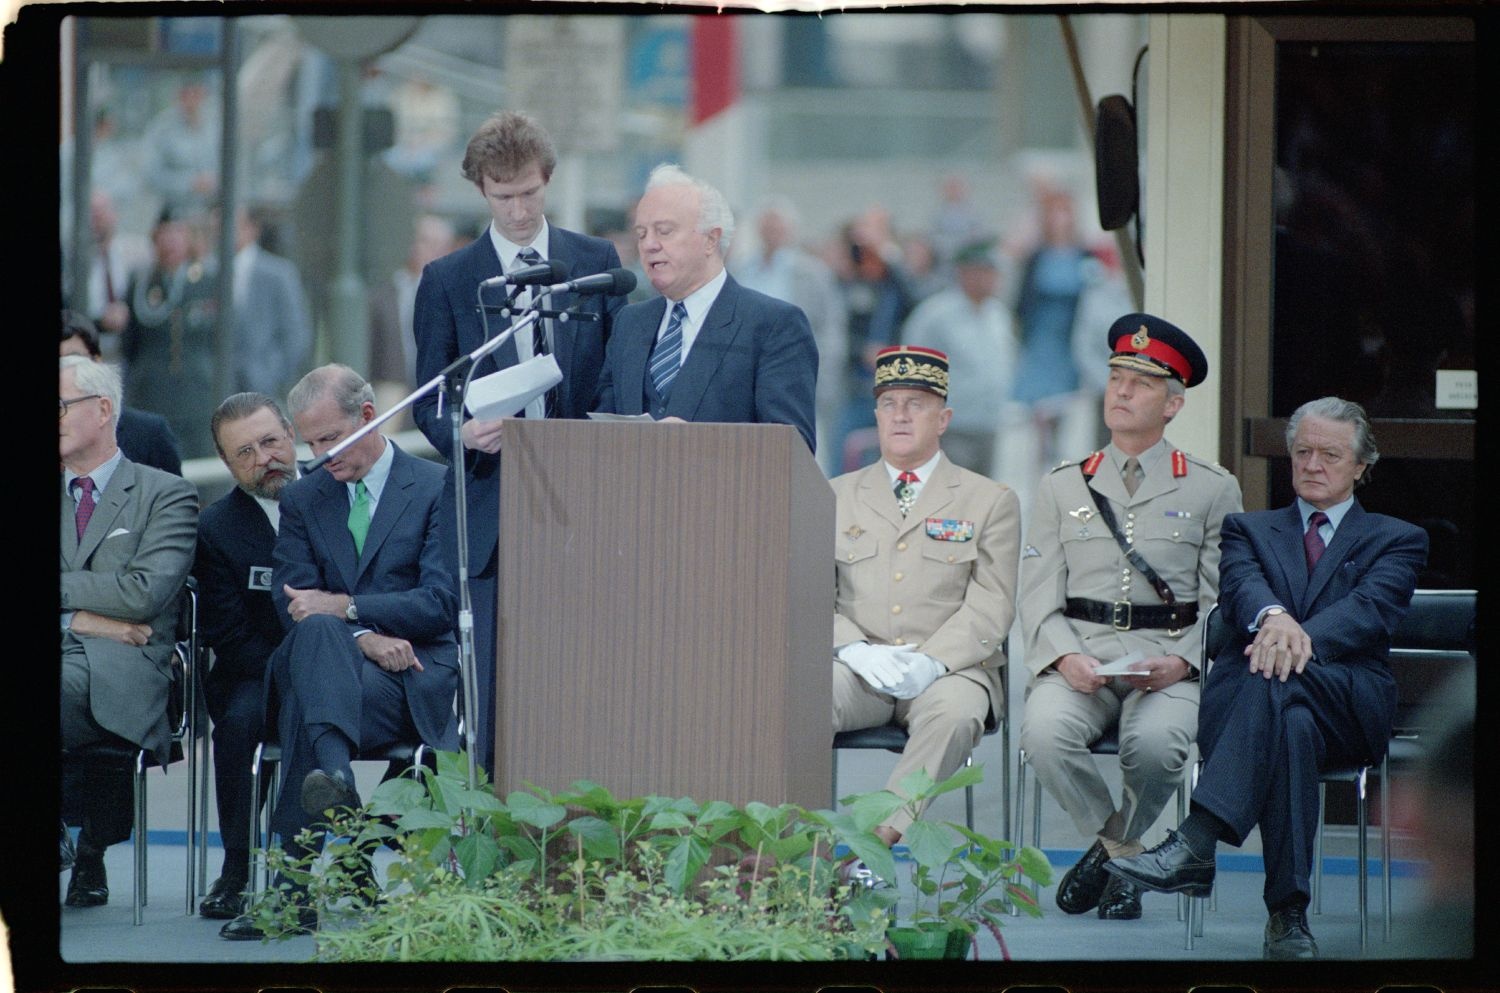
(1121, 666)
(599, 415)
(507, 392)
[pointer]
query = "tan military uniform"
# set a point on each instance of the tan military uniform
(1173, 521)
(942, 579)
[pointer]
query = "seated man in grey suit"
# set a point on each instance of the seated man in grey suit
(709, 349)
(127, 534)
(369, 657)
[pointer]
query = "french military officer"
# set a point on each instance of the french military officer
(926, 567)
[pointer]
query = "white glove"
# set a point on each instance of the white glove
(921, 671)
(875, 664)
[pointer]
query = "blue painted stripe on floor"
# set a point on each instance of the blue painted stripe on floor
(1333, 865)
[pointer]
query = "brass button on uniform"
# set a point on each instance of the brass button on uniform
(898, 576)
(901, 546)
(896, 609)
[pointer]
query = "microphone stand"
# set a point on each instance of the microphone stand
(450, 384)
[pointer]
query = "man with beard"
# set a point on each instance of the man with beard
(238, 617)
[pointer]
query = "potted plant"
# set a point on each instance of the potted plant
(963, 880)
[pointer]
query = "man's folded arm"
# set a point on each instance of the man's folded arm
(157, 569)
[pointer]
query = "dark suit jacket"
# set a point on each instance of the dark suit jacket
(754, 362)
(1349, 607)
(236, 620)
(446, 325)
(399, 583)
(147, 439)
(130, 565)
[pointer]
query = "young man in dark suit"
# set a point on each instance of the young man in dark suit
(709, 349)
(1313, 593)
(238, 618)
(510, 159)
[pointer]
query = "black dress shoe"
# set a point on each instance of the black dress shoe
(1170, 867)
(327, 791)
(1081, 888)
(1287, 936)
(244, 927)
(1121, 900)
(66, 853)
(88, 886)
(225, 900)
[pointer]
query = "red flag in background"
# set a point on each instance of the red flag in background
(716, 66)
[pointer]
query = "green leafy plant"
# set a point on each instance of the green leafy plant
(963, 880)
(574, 875)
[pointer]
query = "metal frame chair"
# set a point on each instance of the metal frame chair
(189, 740)
(412, 756)
(1432, 639)
(893, 738)
(1109, 744)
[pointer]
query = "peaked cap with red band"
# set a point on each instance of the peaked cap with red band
(1156, 347)
(911, 367)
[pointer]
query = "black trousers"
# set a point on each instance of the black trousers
(1265, 743)
(238, 711)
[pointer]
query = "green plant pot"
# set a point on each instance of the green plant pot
(928, 942)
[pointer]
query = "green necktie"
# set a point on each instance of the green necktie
(359, 517)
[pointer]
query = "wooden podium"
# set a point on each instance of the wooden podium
(665, 611)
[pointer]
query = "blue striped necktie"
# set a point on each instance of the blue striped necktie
(666, 358)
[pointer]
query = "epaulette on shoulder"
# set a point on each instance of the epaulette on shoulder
(1213, 467)
(1067, 463)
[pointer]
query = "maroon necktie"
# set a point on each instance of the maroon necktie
(85, 503)
(1312, 541)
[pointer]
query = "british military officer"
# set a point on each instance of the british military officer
(926, 568)
(1122, 557)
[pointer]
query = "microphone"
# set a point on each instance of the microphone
(542, 272)
(615, 281)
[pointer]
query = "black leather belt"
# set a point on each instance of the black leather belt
(1122, 615)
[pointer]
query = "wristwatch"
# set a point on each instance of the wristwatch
(351, 613)
(1270, 611)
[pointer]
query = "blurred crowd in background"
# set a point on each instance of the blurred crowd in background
(977, 236)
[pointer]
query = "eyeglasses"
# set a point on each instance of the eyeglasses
(910, 405)
(245, 455)
(63, 405)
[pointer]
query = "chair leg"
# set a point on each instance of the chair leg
(1184, 902)
(833, 782)
(204, 772)
(1385, 841)
(191, 751)
(969, 797)
(257, 879)
(138, 892)
(1005, 797)
(1020, 835)
(1364, 876)
(1317, 866)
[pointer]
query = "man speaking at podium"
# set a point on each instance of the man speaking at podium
(708, 349)
(510, 159)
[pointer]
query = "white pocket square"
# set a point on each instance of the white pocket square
(116, 531)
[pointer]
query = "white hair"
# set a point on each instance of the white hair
(96, 377)
(713, 209)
